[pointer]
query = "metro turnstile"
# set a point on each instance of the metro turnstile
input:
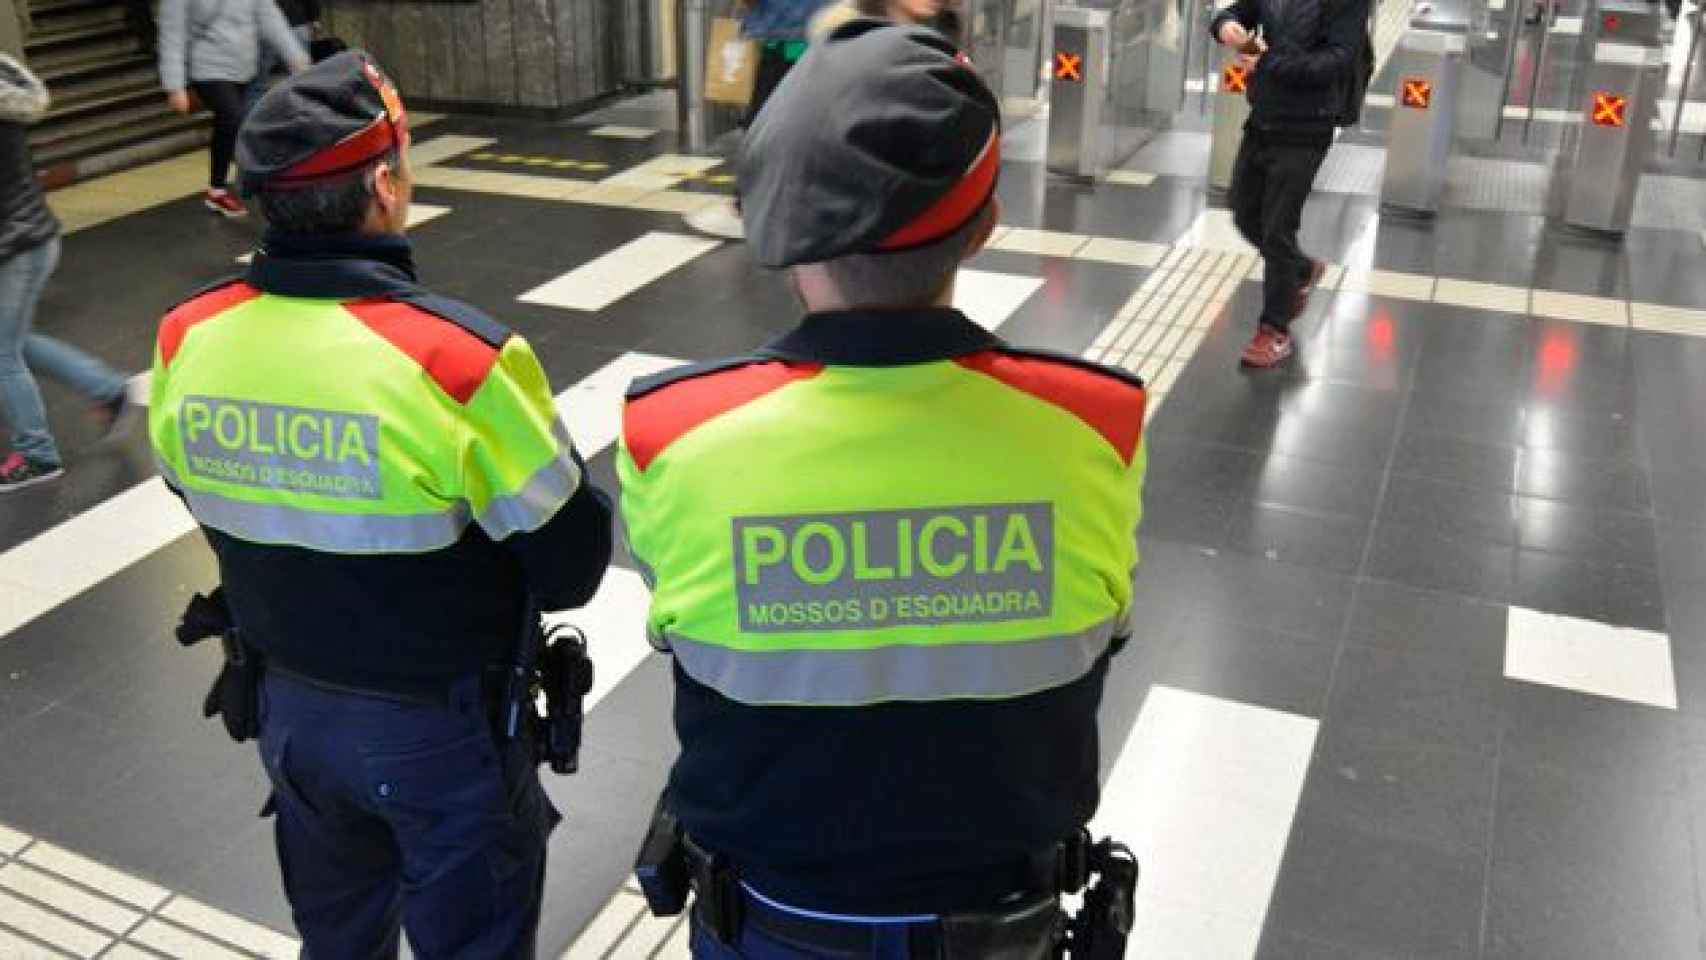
(1111, 94)
(1231, 110)
(1599, 169)
(1424, 118)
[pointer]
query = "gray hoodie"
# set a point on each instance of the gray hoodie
(221, 40)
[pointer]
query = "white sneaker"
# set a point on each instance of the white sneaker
(720, 219)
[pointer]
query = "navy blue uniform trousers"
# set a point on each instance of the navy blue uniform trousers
(392, 813)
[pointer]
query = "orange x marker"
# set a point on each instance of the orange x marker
(1609, 109)
(1418, 93)
(1068, 66)
(1234, 79)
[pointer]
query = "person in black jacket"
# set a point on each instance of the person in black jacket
(29, 251)
(1305, 59)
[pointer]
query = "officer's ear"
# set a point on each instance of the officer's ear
(991, 217)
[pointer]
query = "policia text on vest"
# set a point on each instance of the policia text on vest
(966, 564)
(277, 447)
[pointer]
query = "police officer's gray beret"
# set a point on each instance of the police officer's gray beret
(881, 138)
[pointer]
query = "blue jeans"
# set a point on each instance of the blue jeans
(21, 281)
(391, 813)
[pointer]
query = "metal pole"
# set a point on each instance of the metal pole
(690, 40)
(1546, 19)
(1687, 81)
(1208, 72)
(1513, 24)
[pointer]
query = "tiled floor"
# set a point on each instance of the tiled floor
(1423, 662)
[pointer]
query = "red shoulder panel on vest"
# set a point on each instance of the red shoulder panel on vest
(1110, 403)
(457, 359)
(206, 305)
(654, 419)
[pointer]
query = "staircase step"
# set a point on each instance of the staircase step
(113, 138)
(78, 90)
(116, 98)
(72, 70)
(120, 149)
(133, 116)
(53, 56)
(79, 16)
(48, 37)
(58, 8)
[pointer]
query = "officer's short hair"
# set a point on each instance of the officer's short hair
(338, 205)
(905, 278)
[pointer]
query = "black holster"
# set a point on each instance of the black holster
(1109, 880)
(565, 674)
(236, 692)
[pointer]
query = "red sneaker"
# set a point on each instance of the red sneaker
(1267, 349)
(224, 203)
(1317, 270)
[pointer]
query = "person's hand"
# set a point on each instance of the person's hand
(1233, 34)
(300, 66)
(1250, 52)
(179, 100)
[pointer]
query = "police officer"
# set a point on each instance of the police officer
(891, 554)
(384, 479)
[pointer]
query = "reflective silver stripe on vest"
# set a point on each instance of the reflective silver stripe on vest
(540, 498)
(829, 678)
(271, 523)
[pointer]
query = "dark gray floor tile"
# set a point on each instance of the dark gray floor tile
(1402, 698)
(242, 877)
(1321, 541)
(1628, 596)
(1586, 865)
(1280, 944)
(1200, 520)
(1611, 484)
(1607, 536)
(1248, 663)
(1682, 554)
(1466, 513)
(1569, 730)
(1275, 595)
(1455, 631)
(1430, 793)
(1454, 460)
(1417, 556)
(1343, 884)
(1308, 485)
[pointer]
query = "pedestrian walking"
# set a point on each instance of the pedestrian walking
(29, 251)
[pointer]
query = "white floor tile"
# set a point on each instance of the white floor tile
(1132, 253)
(1481, 296)
(990, 298)
(1662, 319)
(1581, 309)
(1590, 657)
(615, 627)
(1388, 283)
(114, 883)
(1204, 792)
(425, 153)
(606, 930)
(597, 284)
(1129, 178)
(675, 201)
(123, 951)
(69, 558)
(615, 132)
(233, 930)
(1045, 243)
(11, 841)
(420, 213)
(67, 899)
(592, 408)
(645, 938)
(662, 172)
(177, 942)
(73, 938)
(1213, 229)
